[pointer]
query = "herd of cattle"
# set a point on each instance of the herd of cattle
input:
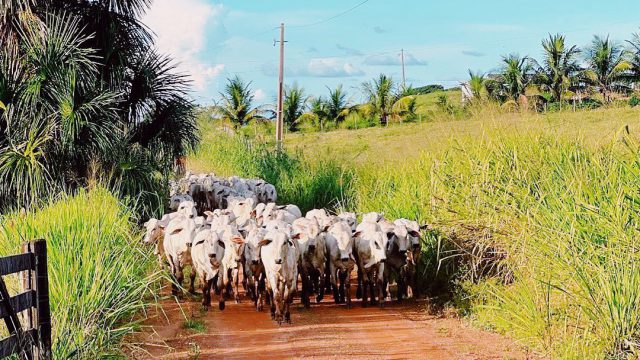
(229, 230)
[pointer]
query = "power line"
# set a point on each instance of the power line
(331, 18)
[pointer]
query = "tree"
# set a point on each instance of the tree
(559, 69)
(476, 84)
(634, 57)
(293, 106)
(380, 94)
(515, 75)
(607, 67)
(237, 103)
(405, 108)
(85, 94)
(336, 105)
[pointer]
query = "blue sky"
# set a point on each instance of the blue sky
(214, 40)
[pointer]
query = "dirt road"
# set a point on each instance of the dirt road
(326, 331)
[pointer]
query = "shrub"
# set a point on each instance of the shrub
(634, 101)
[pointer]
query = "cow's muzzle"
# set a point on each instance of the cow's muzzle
(345, 259)
(255, 262)
(312, 248)
(279, 262)
(212, 256)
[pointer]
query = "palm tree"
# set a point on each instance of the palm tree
(336, 105)
(80, 82)
(294, 106)
(515, 76)
(476, 84)
(634, 57)
(237, 103)
(405, 108)
(380, 94)
(559, 69)
(606, 65)
(318, 112)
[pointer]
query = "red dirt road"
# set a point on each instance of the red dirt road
(326, 331)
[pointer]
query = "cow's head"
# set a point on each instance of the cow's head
(342, 233)
(252, 246)
(153, 229)
(280, 243)
(377, 245)
(214, 248)
(188, 209)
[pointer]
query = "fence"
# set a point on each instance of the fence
(31, 338)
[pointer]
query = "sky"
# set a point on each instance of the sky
(347, 42)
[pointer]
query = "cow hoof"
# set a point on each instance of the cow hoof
(381, 304)
(358, 293)
(221, 305)
(364, 304)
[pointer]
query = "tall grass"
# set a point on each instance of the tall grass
(536, 216)
(98, 275)
(560, 220)
(308, 184)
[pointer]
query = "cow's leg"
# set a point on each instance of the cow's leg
(342, 274)
(206, 292)
(236, 280)
(401, 285)
(380, 286)
(347, 281)
(277, 300)
(192, 281)
(259, 290)
(288, 298)
(179, 277)
(272, 305)
(305, 287)
(220, 293)
(334, 285)
(359, 294)
(372, 286)
(319, 285)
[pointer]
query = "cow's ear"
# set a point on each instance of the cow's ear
(176, 231)
(264, 242)
(145, 224)
(296, 236)
(221, 243)
(282, 207)
(390, 235)
(357, 233)
(220, 192)
(414, 233)
(237, 240)
(208, 213)
(426, 227)
(326, 228)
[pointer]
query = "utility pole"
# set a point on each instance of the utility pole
(404, 83)
(280, 123)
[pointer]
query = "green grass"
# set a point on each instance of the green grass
(536, 216)
(99, 274)
(197, 326)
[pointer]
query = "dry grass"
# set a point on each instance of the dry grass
(404, 141)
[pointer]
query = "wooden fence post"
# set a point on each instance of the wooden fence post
(42, 289)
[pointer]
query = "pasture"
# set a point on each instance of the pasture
(534, 214)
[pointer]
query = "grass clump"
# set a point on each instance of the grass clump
(98, 272)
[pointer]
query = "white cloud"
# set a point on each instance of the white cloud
(389, 60)
(180, 29)
(331, 67)
(259, 95)
(317, 67)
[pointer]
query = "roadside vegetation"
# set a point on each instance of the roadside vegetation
(99, 276)
(534, 214)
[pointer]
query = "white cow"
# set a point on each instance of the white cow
(178, 237)
(350, 218)
(187, 209)
(270, 194)
(370, 256)
(154, 234)
(254, 276)
(312, 262)
(280, 258)
(207, 253)
(339, 242)
(175, 201)
(233, 257)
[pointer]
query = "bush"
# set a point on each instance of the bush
(98, 273)
(634, 101)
